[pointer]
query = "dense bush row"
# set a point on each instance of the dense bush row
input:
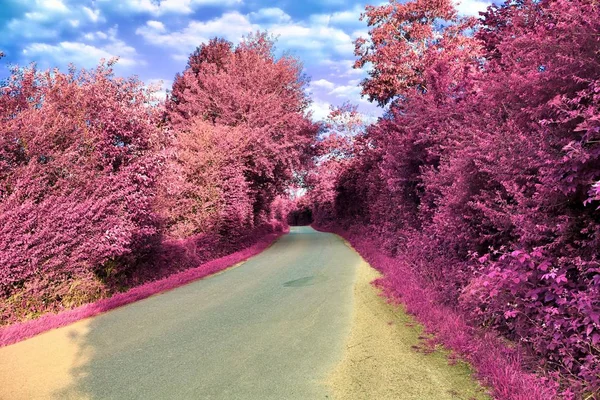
(102, 187)
(484, 174)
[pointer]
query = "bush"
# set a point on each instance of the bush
(78, 172)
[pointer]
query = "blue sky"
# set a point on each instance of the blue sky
(154, 37)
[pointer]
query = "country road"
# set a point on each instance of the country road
(272, 328)
(269, 329)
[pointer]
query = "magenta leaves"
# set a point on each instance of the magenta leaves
(102, 188)
(483, 175)
(78, 167)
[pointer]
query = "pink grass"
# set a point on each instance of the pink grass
(498, 367)
(24, 330)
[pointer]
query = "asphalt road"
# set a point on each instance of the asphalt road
(271, 328)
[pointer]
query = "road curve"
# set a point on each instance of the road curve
(270, 329)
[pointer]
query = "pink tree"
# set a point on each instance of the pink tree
(341, 135)
(204, 189)
(263, 97)
(407, 43)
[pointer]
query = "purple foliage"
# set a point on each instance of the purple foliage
(482, 178)
(78, 167)
(497, 366)
(103, 188)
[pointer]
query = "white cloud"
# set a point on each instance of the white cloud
(319, 109)
(471, 7)
(346, 91)
(272, 14)
(37, 16)
(313, 39)
(323, 83)
(360, 33)
(91, 36)
(46, 20)
(34, 23)
(93, 15)
(80, 53)
(52, 5)
(180, 57)
(161, 7)
(318, 38)
(27, 28)
(343, 68)
(85, 54)
(156, 25)
(346, 17)
(110, 35)
(232, 26)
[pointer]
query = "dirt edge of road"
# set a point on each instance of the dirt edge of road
(382, 357)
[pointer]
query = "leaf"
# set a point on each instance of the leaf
(561, 278)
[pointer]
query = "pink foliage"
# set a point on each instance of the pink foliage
(340, 138)
(204, 188)
(404, 40)
(498, 366)
(102, 188)
(482, 178)
(78, 170)
(260, 100)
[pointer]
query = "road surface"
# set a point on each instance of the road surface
(298, 321)
(269, 329)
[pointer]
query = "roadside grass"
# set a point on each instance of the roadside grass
(507, 370)
(388, 355)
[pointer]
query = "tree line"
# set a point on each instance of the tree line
(484, 173)
(103, 187)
